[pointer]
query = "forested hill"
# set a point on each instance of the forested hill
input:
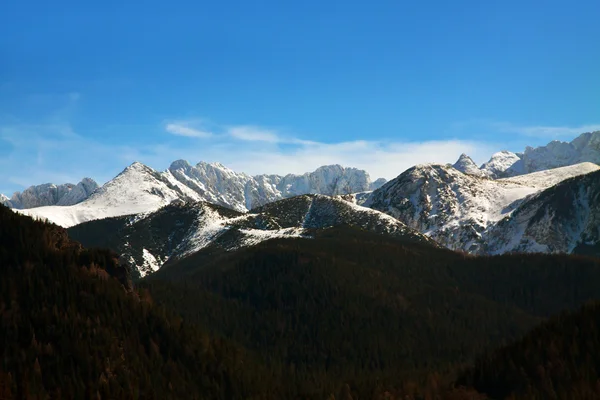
(558, 360)
(68, 330)
(369, 310)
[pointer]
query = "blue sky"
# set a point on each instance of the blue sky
(277, 87)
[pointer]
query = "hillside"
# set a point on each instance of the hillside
(149, 241)
(71, 327)
(368, 309)
(559, 359)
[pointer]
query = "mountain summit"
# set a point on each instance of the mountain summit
(466, 165)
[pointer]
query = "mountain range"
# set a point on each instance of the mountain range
(541, 200)
(584, 148)
(50, 194)
(141, 189)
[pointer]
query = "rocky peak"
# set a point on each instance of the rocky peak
(50, 194)
(466, 165)
(502, 164)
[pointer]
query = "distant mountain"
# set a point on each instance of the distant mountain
(148, 241)
(584, 148)
(377, 184)
(137, 189)
(457, 209)
(466, 165)
(140, 189)
(503, 164)
(50, 194)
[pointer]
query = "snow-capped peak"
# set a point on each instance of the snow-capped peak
(138, 189)
(501, 164)
(50, 194)
(466, 165)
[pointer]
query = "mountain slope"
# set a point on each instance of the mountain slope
(179, 230)
(564, 218)
(50, 194)
(456, 209)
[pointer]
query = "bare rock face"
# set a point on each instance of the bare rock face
(220, 185)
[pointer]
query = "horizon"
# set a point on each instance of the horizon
(373, 178)
(285, 88)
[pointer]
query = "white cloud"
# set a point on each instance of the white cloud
(380, 159)
(254, 134)
(183, 129)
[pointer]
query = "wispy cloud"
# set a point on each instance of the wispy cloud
(253, 134)
(185, 129)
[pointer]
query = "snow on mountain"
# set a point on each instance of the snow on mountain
(456, 209)
(502, 164)
(584, 148)
(218, 184)
(562, 219)
(138, 189)
(179, 230)
(547, 178)
(50, 194)
(466, 165)
(4, 200)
